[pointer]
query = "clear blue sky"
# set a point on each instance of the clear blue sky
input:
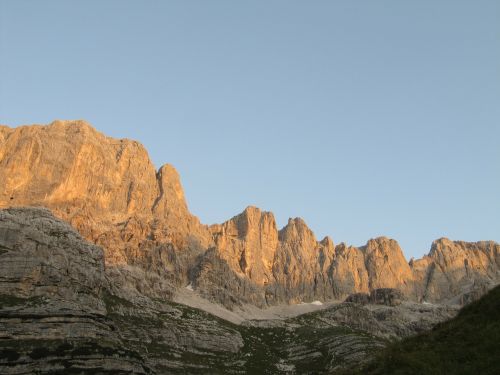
(365, 118)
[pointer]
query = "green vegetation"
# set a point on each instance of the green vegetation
(37, 349)
(172, 357)
(262, 348)
(466, 344)
(112, 301)
(70, 354)
(172, 337)
(7, 300)
(303, 344)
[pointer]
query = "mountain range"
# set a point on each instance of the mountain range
(103, 269)
(111, 193)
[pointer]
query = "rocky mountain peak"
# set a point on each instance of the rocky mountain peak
(252, 211)
(439, 244)
(248, 242)
(171, 195)
(81, 127)
(327, 242)
(297, 231)
(386, 264)
(250, 223)
(4, 130)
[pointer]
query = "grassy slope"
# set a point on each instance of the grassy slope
(466, 344)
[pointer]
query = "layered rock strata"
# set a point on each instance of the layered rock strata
(52, 317)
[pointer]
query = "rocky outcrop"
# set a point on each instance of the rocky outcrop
(109, 190)
(383, 320)
(52, 317)
(382, 296)
(358, 298)
(301, 266)
(387, 296)
(248, 244)
(462, 271)
(386, 265)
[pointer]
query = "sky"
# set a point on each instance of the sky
(365, 118)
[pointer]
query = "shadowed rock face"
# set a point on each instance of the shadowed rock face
(109, 190)
(382, 296)
(52, 316)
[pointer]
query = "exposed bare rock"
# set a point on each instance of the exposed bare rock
(386, 265)
(304, 269)
(248, 244)
(358, 298)
(348, 270)
(289, 265)
(52, 317)
(58, 315)
(381, 296)
(215, 280)
(42, 257)
(92, 180)
(458, 269)
(109, 190)
(302, 263)
(381, 320)
(62, 311)
(387, 296)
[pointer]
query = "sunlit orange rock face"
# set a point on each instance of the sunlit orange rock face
(453, 267)
(386, 265)
(109, 190)
(248, 243)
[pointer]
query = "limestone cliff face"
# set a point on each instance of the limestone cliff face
(106, 188)
(248, 243)
(301, 265)
(73, 163)
(386, 265)
(348, 271)
(109, 190)
(378, 264)
(456, 268)
(290, 265)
